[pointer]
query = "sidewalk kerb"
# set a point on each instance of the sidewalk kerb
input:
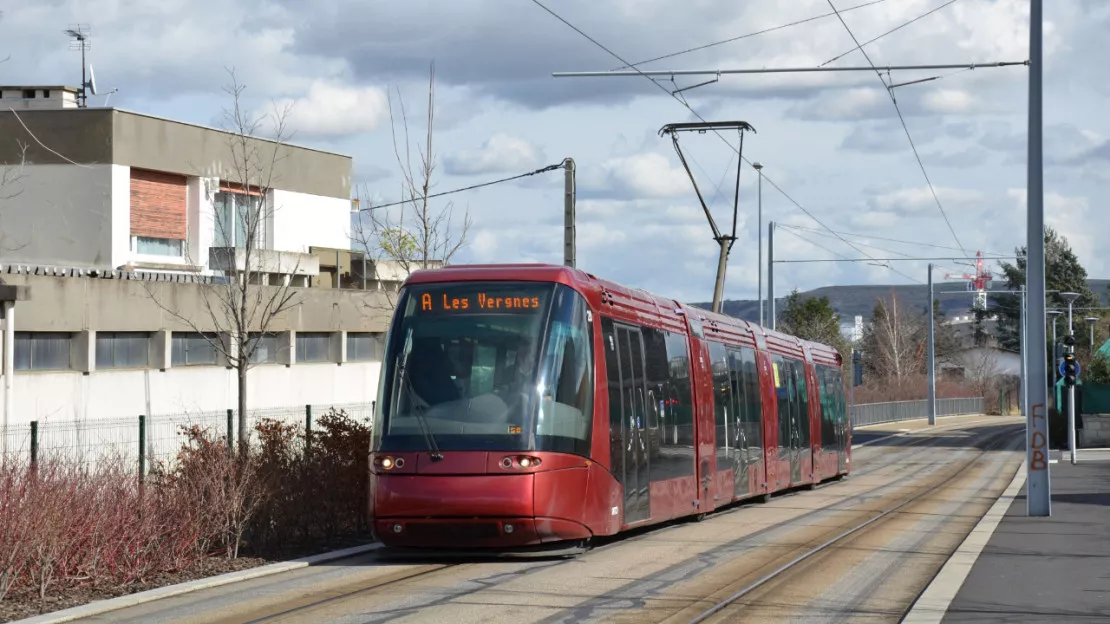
(932, 605)
(130, 600)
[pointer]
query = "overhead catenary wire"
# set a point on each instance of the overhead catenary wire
(902, 119)
(678, 99)
(987, 254)
(892, 30)
(882, 262)
(466, 188)
(747, 36)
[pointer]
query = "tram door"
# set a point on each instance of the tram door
(625, 359)
(841, 421)
(793, 408)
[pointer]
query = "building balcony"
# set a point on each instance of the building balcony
(286, 266)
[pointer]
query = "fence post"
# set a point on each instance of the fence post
(34, 444)
(307, 428)
(142, 446)
(230, 439)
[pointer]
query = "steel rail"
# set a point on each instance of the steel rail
(727, 602)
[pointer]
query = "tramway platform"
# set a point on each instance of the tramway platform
(1047, 569)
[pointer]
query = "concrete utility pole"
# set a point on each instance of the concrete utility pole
(932, 356)
(569, 251)
(1023, 339)
(1039, 492)
(1070, 297)
(771, 271)
(759, 234)
(1055, 314)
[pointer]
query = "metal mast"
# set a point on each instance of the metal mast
(723, 241)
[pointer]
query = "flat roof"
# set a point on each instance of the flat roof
(206, 127)
(49, 87)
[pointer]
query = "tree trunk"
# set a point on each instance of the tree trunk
(241, 371)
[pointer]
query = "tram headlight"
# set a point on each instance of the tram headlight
(519, 461)
(389, 463)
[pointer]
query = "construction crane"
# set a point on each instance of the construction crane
(977, 282)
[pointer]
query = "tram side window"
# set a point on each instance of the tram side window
(613, 381)
(802, 401)
(738, 417)
(680, 409)
(565, 417)
(753, 424)
(827, 393)
(658, 377)
(722, 399)
(782, 376)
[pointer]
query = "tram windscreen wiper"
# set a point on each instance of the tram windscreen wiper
(417, 410)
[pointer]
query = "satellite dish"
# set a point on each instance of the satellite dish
(92, 80)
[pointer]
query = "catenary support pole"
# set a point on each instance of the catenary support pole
(1039, 494)
(1023, 339)
(1073, 446)
(569, 250)
(759, 234)
(932, 355)
(1055, 363)
(771, 273)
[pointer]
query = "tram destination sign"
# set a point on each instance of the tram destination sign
(457, 301)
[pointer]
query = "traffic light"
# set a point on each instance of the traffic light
(1071, 369)
(1069, 340)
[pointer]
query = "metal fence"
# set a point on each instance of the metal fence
(876, 413)
(149, 440)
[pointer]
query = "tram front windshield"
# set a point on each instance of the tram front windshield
(487, 366)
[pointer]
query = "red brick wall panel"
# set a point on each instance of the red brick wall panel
(157, 204)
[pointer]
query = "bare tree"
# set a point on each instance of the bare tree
(11, 178)
(243, 307)
(414, 235)
(980, 368)
(891, 343)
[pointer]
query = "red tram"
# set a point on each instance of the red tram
(527, 405)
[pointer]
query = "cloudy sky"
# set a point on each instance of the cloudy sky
(831, 143)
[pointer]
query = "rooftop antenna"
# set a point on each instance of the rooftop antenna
(724, 240)
(79, 33)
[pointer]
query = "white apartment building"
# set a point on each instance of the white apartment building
(121, 224)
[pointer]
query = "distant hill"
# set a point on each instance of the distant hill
(849, 301)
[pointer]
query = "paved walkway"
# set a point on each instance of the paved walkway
(1054, 569)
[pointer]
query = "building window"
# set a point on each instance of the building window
(42, 350)
(313, 346)
(150, 246)
(192, 349)
(122, 349)
(360, 346)
(265, 348)
(236, 215)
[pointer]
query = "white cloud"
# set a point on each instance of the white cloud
(908, 201)
(331, 108)
(500, 153)
(649, 175)
(949, 101)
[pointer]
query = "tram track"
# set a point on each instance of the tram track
(898, 463)
(636, 596)
(905, 450)
(384, 589)
(729, 607)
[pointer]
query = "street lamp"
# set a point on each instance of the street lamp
(1055, 316)
(1069, 357)
(1091, 320)
(758, 166)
